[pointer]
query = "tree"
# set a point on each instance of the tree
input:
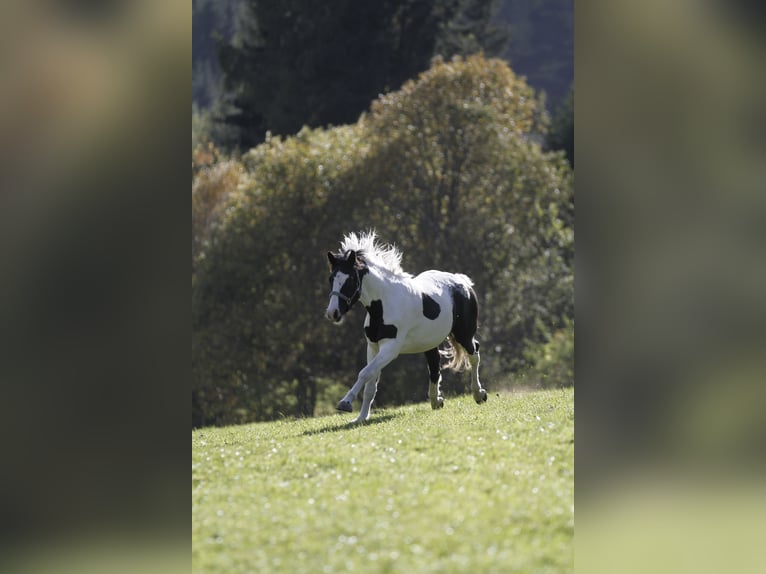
(302, 62)
(447, 168)
(561, 132)
(211, 20)
(541, 45)
(466, 187)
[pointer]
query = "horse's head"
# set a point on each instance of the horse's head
(346, 273)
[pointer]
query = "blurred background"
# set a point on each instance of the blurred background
(671, 286)
(94, 166)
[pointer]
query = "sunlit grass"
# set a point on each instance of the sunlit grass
(467, 488)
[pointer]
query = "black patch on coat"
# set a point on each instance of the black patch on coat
(465, 317)
(431, 308)
(378, 330)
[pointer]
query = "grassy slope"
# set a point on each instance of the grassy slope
(465, 489)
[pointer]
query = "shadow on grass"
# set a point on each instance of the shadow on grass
(373, 420)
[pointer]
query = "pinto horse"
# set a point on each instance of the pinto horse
(405, 314)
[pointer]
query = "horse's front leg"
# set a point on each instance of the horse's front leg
(346, 403)
(368, 377)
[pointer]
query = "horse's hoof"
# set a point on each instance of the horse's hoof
(345, 406)
(437, 404)
(480, 397)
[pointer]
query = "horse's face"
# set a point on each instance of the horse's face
(345, 284)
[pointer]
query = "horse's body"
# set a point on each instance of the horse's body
(405, 314)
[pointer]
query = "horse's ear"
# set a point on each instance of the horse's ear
(352, 257)
(331, 258)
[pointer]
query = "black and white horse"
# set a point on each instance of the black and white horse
(405, 314)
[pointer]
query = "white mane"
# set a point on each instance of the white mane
(387, 257)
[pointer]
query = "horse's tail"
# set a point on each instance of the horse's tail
(456, 355)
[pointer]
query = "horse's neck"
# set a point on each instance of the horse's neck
(378, 285)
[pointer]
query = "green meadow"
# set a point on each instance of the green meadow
(468, 488)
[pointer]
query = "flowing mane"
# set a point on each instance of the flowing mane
(385, 256)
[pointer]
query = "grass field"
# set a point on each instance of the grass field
(469, 488)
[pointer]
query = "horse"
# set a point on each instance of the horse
(405, 314)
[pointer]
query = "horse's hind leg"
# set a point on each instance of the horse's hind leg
(435, 376)
(479, 394)
(474, 358)
(464, 326)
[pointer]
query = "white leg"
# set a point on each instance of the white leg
(346, 403)
(479, 394)
(368, 377)
(370, 388)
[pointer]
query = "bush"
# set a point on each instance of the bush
(552, 362)
(448, 168)
(209, 189)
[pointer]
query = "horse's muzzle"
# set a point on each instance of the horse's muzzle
(335, 315)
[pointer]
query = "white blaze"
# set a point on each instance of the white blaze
(340, 279)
